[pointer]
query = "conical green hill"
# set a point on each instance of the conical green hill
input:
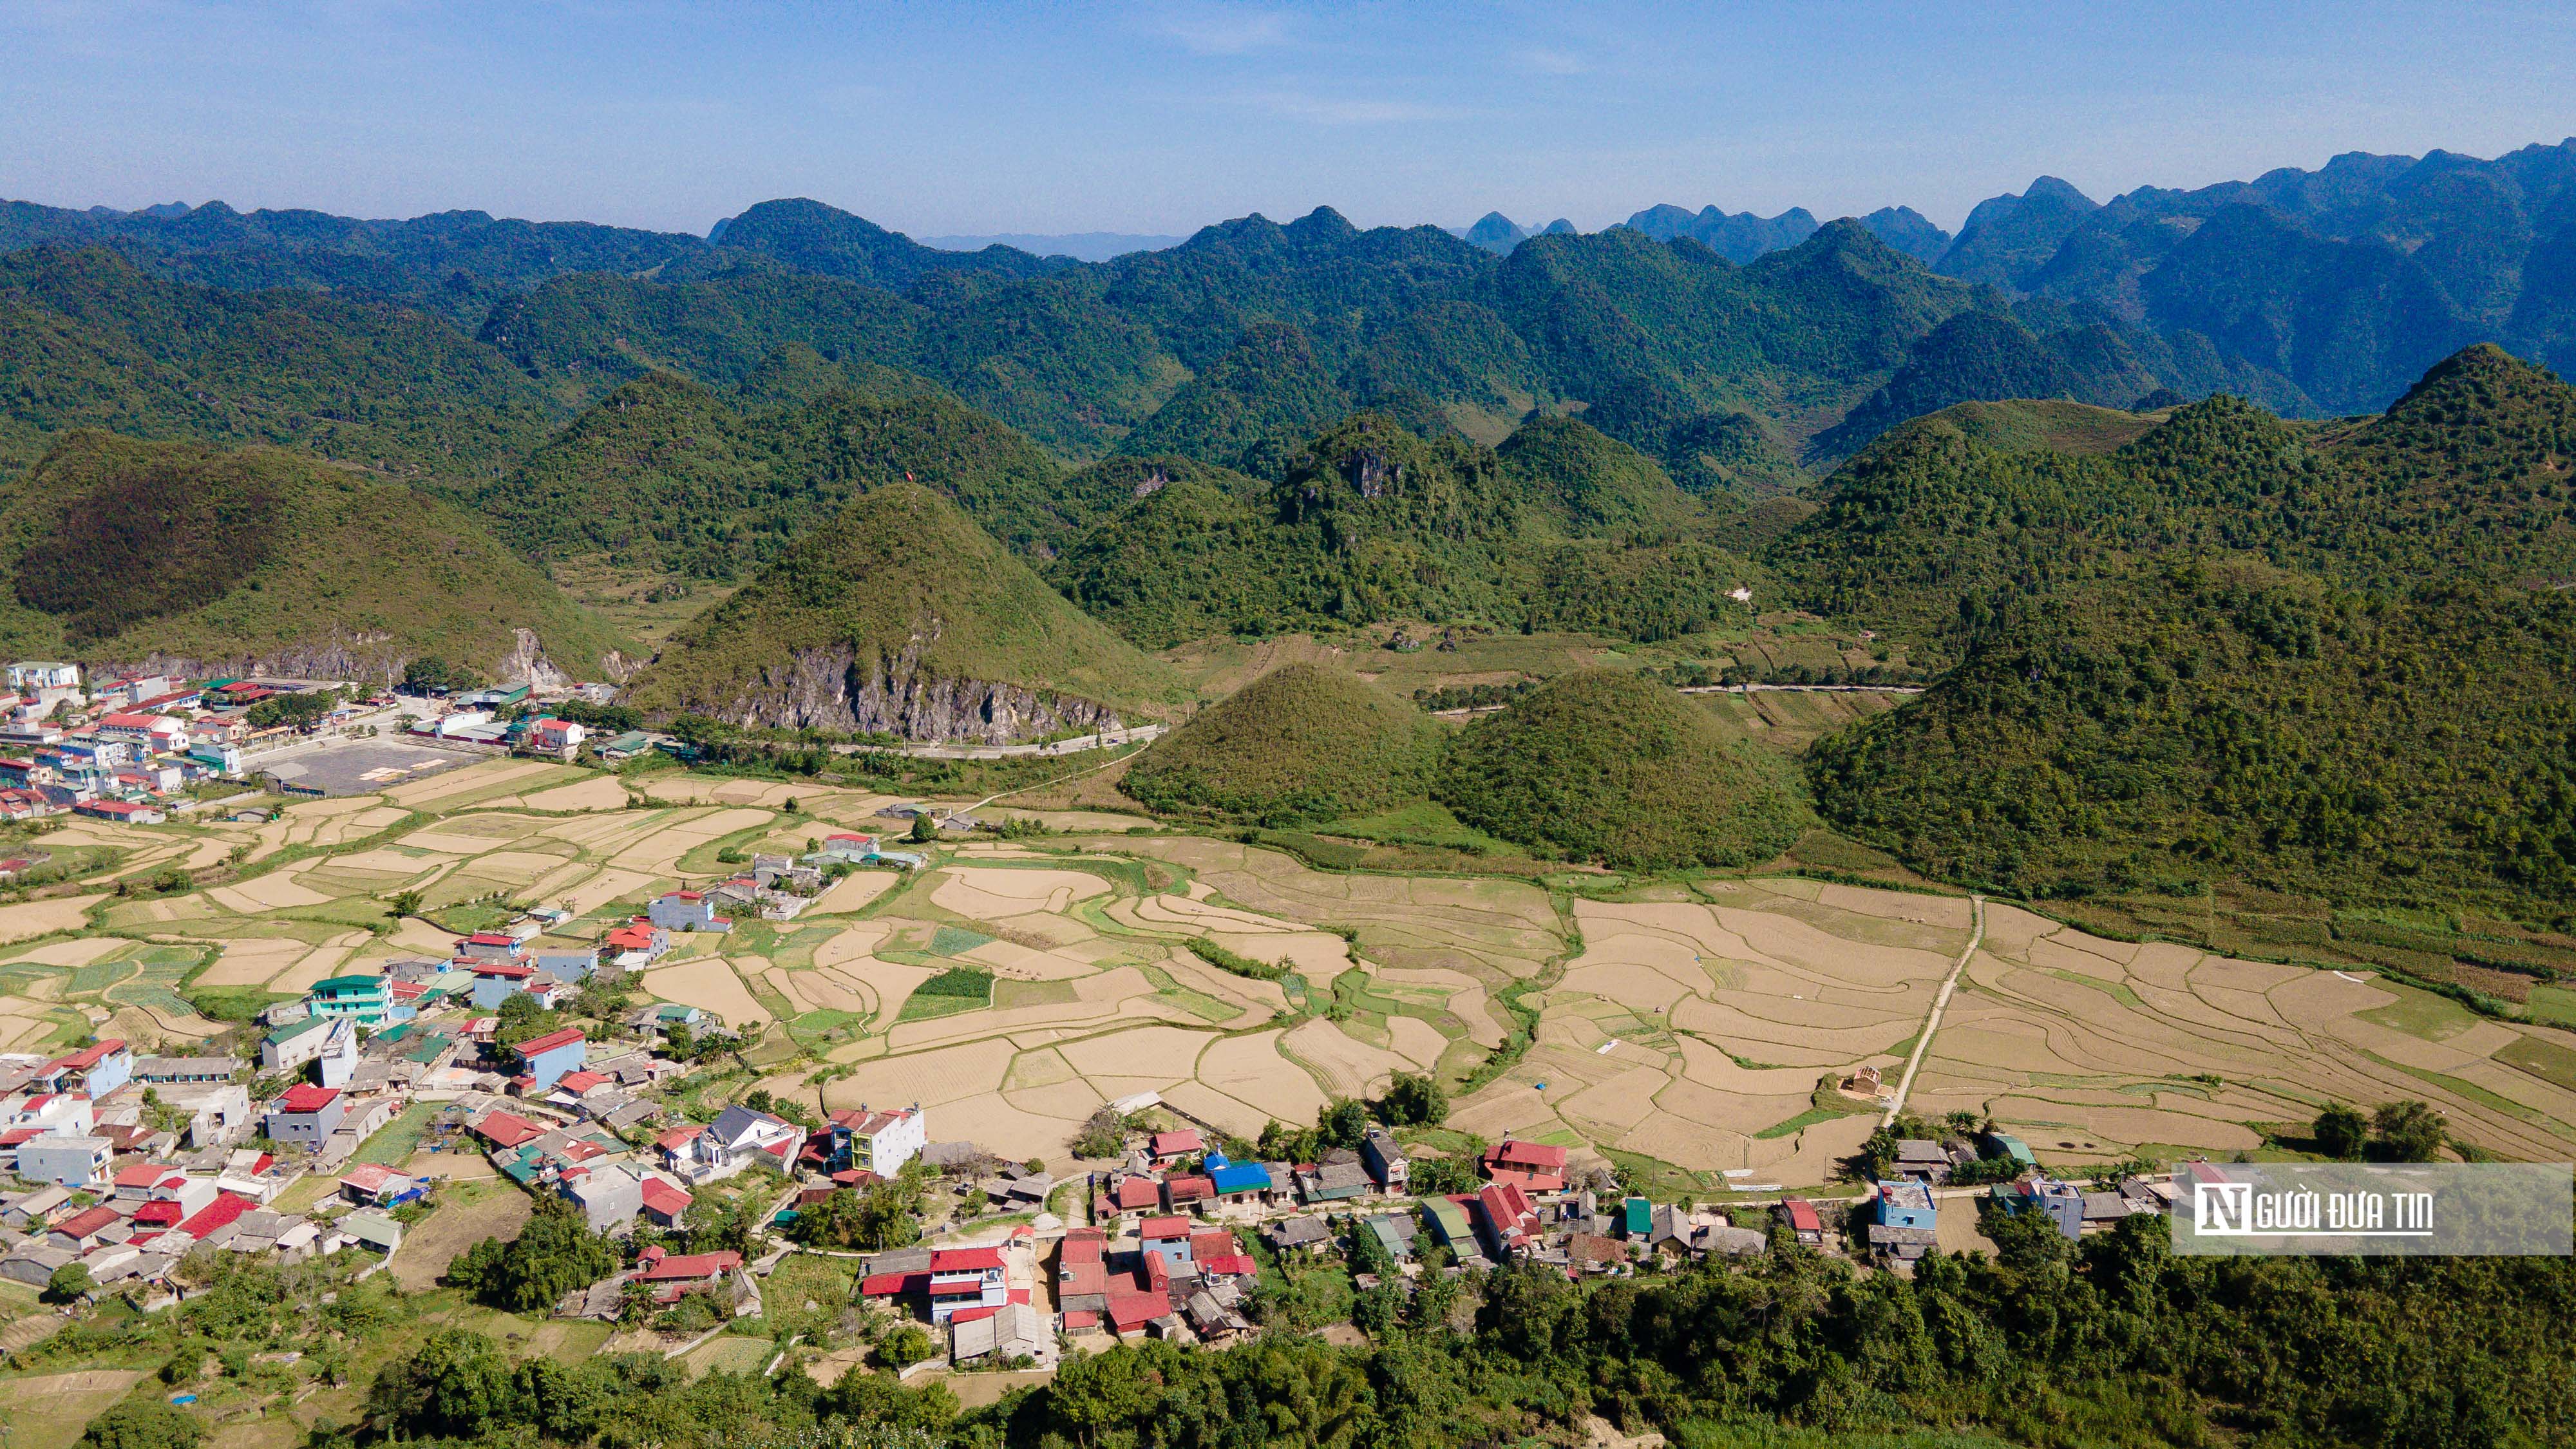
(1303, 742)
(1613, 767)
(901, 616)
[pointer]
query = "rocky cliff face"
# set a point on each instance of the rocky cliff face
(363, 657)
(841, 690)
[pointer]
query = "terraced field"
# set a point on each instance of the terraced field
(1692, 1029)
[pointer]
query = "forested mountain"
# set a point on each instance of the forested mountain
(1739, 236)
(900, 616)
(1045, 354)
(665, 475)
(1303, 742)
(456, 262)
(2322, 660)
(2312, 292)
(87, 340)
(2163, 727)
(1654, 339)
(2463, 478)
(808, 236)
(210, 561)
(1561, 528)
(1267, 395)
(2349, 280)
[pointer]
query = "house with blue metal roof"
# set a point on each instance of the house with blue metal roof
(1235, 1177)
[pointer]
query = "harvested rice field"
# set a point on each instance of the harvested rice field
(1697, 1028)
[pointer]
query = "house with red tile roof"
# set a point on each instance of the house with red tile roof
(1133, 1193)
(544, 1060)
(637, 943)
(962, 1279)
(95, 1070)
(80, 1231)
(215, 1216)
(664, 1203)
(507, 1130)
(1510, 1223)
(1532, 1166)
(1803, 1220)
(1218, 1254)
(306, 1116)
(370, 1184)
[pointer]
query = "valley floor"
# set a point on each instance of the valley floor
(1692, 1028)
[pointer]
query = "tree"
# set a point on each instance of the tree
(143, 1422)
(1414, 1099)
(430, 674)
(1342, 1124)
(299, 710)
(1441, 1176)
(405, 903)
(717, 1226)
(553, 1255)
(923, 830)
(521, 1019)
(2342, 1132)
(70, 1284)
(1877, 1154)
(456, 1384)
(1104, 1134)
(2409, 1132)
(905, 1346)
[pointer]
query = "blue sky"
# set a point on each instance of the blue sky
(1150, 117)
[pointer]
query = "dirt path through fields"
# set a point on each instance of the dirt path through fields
(1941, 1002)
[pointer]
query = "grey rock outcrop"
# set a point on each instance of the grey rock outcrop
(362, 656)
(844, 691)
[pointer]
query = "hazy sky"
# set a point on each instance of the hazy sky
(952, 117)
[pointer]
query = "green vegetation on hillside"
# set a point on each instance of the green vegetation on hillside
(2162, 728)
(1304, 742)
(1262, 399)
(1568, 477)
(664, 475)
(2462, 478)
(89, 341)
(116, 549)
(1608, 766)
(900, 615)
(2233, 654)
(1375, 522)
(2111, 1341)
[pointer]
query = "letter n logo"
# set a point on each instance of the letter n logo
(2223, 1208)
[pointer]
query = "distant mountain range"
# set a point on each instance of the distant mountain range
(1692, 336)
(1082, 246)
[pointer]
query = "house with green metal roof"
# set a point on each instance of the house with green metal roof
(1448, 1223)
(626, 746)
(1394, 1232)
(429, 1048)
(1637, 1217)
(2007, 1145)
(367, 998)
(373, 1230)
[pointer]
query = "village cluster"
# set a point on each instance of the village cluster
(127, 749)
(129, 1161)
(1168, 1251)
(123, 749)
